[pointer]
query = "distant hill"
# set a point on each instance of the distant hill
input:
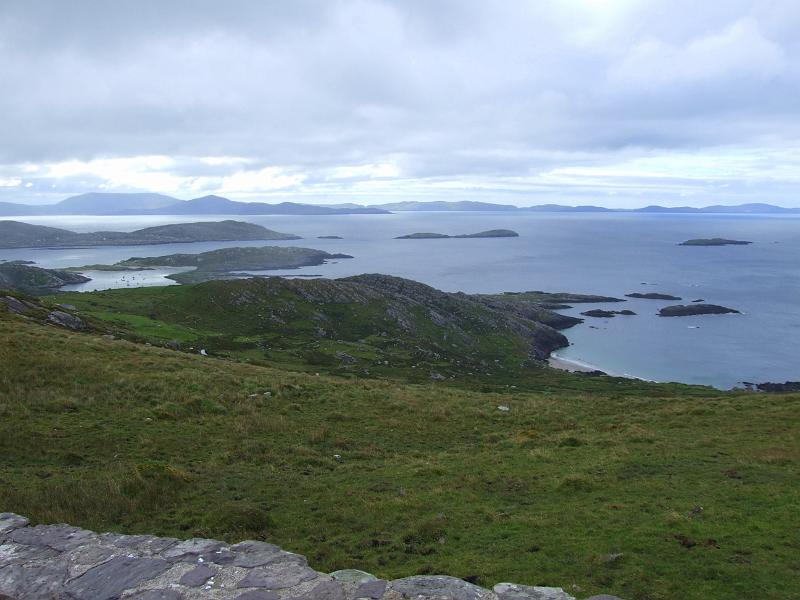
(157, 204)
(98, 203)
(209, 205)
(15, 234)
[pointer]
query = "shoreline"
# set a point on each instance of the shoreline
(576, 366)
(570, 365)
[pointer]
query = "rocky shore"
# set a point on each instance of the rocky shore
(69, 563)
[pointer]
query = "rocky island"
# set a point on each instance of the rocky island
(492, 233)
(224, 263)
(652, 296)
(606, 314)
(687, 310)
(16, 234)
(714, 242)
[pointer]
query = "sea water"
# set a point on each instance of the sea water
(609, 254)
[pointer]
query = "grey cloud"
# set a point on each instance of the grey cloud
(445, 89)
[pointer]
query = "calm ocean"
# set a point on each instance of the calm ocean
(609, 254)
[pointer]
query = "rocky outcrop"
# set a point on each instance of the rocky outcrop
(61, 562)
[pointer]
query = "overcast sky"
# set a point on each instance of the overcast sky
(612, 102)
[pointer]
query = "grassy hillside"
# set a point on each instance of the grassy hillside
(650, 492)
(370, 325)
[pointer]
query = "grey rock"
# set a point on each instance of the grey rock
(33, 581)
(109, 580)
(10, 521)
(197, 576)
(438, 585)
(277, 576)
(258, 554)
(222, 556)
(371, 589)
(258, 595)
(353, 576)
(20, 554)
(145, 545)
(163, 594)
(62, 319)
(513, 591)
(57, 537)
(13, 305)
(191, 548)
(327, 590)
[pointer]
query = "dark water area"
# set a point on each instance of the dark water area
(609, 254)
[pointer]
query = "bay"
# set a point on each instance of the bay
(610, 254)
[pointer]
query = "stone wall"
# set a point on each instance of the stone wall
(60, 562)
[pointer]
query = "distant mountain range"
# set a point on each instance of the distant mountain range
(757, 208)
(98, 203)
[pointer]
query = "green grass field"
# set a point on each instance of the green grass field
(647, 491)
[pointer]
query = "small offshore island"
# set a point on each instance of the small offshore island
(688, 310)
(492, 233)
(652, 296)
(714, 242)
(606, 314)
(16, 234)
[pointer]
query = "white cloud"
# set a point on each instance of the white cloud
(738, 52)
(410, 98)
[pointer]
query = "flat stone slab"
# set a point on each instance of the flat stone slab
(512, 591)
(57, 537)
(277, 577)
(9, 521)
(164, 594)
(426, 586)
(191, 548)
(353, 576)
(371, 589)
(197, 576)
(258, 595)
(108, 580)
(69, 563)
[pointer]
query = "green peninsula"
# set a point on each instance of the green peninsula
(224, 263)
